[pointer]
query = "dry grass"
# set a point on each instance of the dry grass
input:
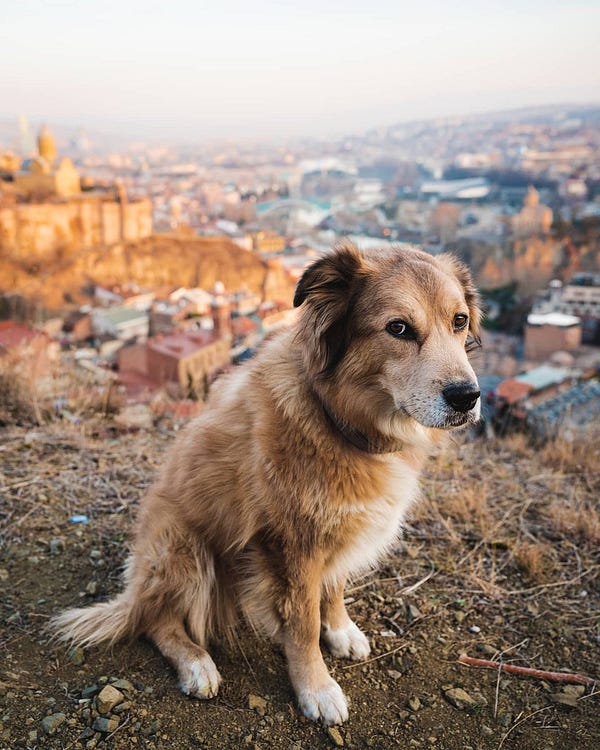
(578, 518)
(533, 559)
(19, 393)
(580, 456)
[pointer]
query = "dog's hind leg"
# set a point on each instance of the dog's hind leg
(341, 636)
(198, 674)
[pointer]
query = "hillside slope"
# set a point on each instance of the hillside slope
(160, 260)
(499, 560)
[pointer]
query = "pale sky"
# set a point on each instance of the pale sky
(179, 68)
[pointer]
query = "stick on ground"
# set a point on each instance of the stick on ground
(539, 674)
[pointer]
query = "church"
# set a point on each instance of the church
(44, 175)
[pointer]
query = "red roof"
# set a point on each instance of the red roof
(182, 344)
(512, 390)
(16, 334)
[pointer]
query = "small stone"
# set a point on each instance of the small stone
(89, 691)
(577, 690)
(32, 737)
(92, 588)
(475, 629)
(459, 698)
(3, 574)
(122, 707)
(335, 736)
(258, 704)
(487, 731)
(564, 700)
(108, 698)
(56, 545)
(51, 723)
(151, 729)
(414, 703)
(413, 613)
(104, 725)
(459, 616)
(86, 734)
(123, 685)
(485, 648)
(77, 656)
(394, 674)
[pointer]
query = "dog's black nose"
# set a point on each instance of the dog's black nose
(461, 396)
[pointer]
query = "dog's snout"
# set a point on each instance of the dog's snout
(461, 396)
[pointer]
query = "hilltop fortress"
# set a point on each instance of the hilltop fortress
(43, 209)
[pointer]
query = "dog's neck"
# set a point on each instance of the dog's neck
(374, 443)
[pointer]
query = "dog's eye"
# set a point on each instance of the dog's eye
(400, 329)
(460, 322)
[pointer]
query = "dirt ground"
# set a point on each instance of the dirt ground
(499, 560)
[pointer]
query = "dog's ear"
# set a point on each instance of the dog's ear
(328, 290)
(461, 272)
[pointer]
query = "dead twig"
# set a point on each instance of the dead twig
(376, 658)
(539, 674)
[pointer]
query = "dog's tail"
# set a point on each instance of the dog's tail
(105, 622)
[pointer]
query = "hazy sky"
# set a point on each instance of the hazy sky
(255, 67)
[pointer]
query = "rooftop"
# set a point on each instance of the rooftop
(182, 345)
(552, 319)
(15, 334)
(544, 376)
(119, 315)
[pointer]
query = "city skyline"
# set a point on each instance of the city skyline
(272, 71)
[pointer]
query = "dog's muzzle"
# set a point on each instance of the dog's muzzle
(461, 397)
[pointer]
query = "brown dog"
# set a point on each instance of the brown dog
(298, 473)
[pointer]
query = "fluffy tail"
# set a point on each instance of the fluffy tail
(105, 622)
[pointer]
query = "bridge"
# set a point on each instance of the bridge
(317, 210)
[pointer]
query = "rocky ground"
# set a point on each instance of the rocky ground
(500, 561)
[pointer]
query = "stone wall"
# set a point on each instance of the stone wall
(36, 231)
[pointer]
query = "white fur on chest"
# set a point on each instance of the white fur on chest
(379, 524)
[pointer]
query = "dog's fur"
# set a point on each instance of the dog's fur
(298, 474)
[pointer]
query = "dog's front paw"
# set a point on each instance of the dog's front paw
(199, 678)
(347, 643)
(327, 703)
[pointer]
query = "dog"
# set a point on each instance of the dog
(298, 473)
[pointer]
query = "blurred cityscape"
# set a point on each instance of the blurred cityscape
(155, 267)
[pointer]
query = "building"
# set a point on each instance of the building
(515, 397)
(47, 210)
(31, 348)
(579, 297)
(472, 188)
(268, 242)
(547, 333)
(120, 322)
(533, 218)
(42, 176)
(186, 361)
(572, 411)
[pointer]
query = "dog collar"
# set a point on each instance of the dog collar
(357, 438)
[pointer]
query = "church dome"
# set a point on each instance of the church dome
(47, 145)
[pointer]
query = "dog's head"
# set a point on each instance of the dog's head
(385, 335)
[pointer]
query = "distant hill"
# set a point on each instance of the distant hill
(156, 261)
